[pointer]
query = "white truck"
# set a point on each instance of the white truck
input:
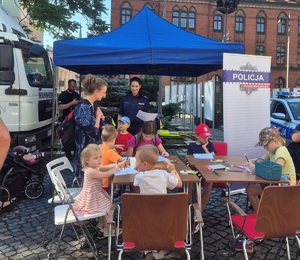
(26, 86)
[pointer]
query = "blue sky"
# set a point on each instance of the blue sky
(48, 40)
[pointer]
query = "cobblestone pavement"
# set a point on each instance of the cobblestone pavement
(22, 230)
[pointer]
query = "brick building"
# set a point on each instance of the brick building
(262, 26)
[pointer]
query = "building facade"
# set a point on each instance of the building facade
(270, 28)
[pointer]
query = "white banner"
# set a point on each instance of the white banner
(246, 97)
(167, 95)
(209, 100)
(197, 99)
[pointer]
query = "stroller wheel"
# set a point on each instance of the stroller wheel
(34, 190)
(4, 194)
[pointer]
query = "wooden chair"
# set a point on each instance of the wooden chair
(157, 222)
(278, 216)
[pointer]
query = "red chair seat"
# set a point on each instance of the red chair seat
(249, 226)
(129, 245)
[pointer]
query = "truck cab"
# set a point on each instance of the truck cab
(26, 86)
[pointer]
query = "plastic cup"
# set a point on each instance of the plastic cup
(132, 162)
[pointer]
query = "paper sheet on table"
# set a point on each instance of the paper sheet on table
(126, 171)
(161, 159)
(246, 168)
(146, 116)
(203, 156)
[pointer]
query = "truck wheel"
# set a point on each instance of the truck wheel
(34, 190)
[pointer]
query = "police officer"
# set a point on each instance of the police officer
(132, 103)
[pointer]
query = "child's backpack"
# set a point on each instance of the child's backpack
(66, 130)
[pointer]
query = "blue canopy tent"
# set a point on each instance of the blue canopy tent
(147, 45)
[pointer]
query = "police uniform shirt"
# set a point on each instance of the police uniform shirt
(130, 105)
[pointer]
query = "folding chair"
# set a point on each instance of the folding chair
(60, 164)
(63, 216)
(63, 164)
(157, 222)
(277, 217)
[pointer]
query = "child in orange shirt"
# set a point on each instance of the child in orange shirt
(109, 155)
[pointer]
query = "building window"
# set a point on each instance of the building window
(239, 24)
(299, 25)
(279, 83)
(192, 18)
(280, 55)
(183, 17)
(175, 16)
(260, 25)
(298, 57)
(260, 50)
(217, 23)
(125, 13)
(281, 26)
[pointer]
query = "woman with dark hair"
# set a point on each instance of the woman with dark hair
(147, 135)
(132, 103)
(87, 118)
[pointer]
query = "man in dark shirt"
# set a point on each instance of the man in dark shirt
(67, 100)
(132, 103)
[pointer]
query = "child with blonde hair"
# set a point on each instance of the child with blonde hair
(93, 198)
(109, 154)
(273, 142)
(151, 180)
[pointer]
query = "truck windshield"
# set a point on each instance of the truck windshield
(37, 67)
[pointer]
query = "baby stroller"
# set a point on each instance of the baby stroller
(21, 174)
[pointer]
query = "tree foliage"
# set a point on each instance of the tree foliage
(55, 16)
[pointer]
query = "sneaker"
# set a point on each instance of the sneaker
(238, 246)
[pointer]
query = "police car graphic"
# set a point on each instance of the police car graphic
(285, 113)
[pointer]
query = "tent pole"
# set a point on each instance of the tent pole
(159, 100)
(159, 105)
(53, 111)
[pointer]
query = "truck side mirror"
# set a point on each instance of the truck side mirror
(36, 50)
(7, 74)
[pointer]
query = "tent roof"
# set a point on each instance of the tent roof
(148, 45)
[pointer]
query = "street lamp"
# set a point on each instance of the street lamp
(226, 7)
(288, 53)
(287, 49)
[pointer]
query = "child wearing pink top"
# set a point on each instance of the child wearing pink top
(93, 198)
